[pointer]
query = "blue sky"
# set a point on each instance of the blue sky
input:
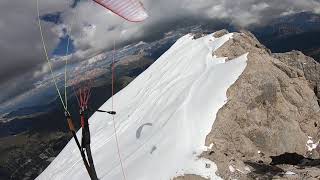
(61, 48)
(54, 17)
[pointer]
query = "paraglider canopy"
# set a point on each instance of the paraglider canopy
(131, 10)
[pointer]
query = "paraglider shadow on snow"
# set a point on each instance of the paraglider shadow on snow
(153, 149)
(139, 130)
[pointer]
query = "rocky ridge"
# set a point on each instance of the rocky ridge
(271, 118)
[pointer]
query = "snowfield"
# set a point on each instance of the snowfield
(162, 119)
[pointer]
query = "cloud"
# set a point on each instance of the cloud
(96, 31)
(95, 28)
(20, 45)
(44, 69)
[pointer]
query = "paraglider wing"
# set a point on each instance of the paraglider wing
(131, 10)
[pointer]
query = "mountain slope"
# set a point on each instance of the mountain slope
(269, 128)
(162, 119)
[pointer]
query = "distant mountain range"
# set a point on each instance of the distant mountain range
(299, 31)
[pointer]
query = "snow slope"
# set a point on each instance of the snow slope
(162, 119)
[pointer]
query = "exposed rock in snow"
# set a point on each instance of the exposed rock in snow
(190, 177)
(220, 33)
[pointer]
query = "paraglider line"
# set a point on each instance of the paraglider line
(66, 64)
(113, 120)
(48, 60)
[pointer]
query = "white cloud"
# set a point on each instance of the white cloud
(259, 7)
(108, 27)
(44, 69)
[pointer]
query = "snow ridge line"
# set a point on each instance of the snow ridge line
(179, 95)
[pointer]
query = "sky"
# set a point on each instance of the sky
(94, 28)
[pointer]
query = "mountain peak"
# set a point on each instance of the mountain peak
(272, 110)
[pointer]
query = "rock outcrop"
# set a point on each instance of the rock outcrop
(272, 109)
(305, 64)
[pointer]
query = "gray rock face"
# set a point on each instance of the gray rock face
(272, 109)
(307, 65)
(220, 33)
